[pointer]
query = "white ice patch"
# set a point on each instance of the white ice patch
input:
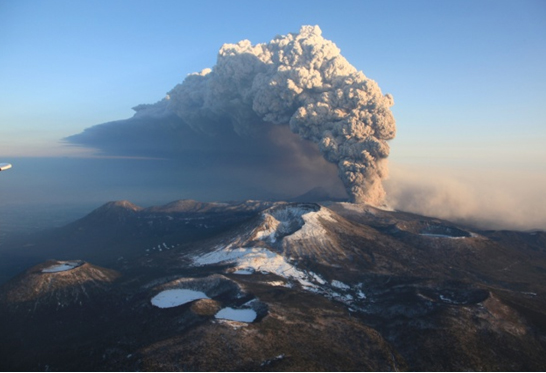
(61, 267)
(241, 315)
(176, 297)
(258, 259)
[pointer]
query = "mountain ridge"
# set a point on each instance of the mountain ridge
(412, 292)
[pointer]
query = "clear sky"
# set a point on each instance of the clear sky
(468, 77)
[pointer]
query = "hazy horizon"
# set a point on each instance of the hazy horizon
(467, 80)
(454, 194)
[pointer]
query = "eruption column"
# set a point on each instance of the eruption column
(300, 80)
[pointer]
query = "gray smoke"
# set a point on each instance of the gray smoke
(300, 80)
(479, 195)
(241, 113)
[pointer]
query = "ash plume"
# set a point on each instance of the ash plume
(300, 80)
(481, 197)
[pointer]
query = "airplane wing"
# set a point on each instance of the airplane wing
(4, 166)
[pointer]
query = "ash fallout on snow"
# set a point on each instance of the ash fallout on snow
(298, 81)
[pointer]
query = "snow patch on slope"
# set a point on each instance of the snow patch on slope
(340, 285)
(312, 228)
(258, 259)
(268, 230)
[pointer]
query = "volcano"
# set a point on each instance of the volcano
(296, 286)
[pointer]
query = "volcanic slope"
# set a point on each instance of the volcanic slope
(120, 231)
(337, 287)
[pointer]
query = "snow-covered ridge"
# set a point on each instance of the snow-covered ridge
(312, 228)
(298, 222)
(246, 261)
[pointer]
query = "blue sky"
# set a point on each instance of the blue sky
(465, 75)
(468, 77)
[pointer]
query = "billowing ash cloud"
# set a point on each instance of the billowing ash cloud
(301, 80)
(296, 80)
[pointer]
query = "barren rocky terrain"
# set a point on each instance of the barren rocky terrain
(320, 287)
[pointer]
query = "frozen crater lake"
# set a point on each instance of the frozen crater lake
(61, 267)
(176, 297)
(241, 315)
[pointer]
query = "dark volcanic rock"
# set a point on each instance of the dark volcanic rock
(345, 287)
